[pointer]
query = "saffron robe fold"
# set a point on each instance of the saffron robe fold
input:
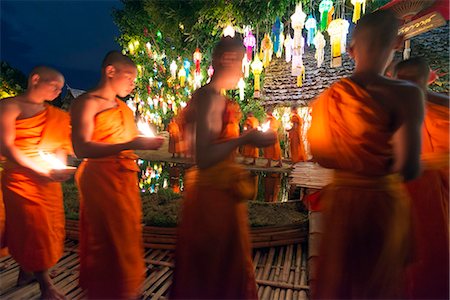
(213, 254)
(33, 204)
(249, 150)
(297, 147)
(274, 151)
(428, 275)
(366, 240)
(111, 248)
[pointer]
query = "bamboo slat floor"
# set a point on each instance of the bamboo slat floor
(281, 273)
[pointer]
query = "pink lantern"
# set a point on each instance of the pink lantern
(249, 43)
(197, 59)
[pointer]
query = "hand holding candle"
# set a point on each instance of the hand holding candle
(59, 171)
(147, 140)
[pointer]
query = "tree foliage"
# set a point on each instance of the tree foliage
(12, 81)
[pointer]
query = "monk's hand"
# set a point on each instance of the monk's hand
(59, 175)
(260, 139)
(146, 143)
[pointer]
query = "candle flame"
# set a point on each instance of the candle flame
(288, 126)
(145, 129)
(52, 160)
(265, 126)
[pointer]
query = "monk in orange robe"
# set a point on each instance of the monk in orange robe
(428, 275)
(367, 128)
(272, 186)
(273, 152)
(298, 152)
(104, 134)
(213, 252)
(174, 138)
(249, 151)
(31, 192)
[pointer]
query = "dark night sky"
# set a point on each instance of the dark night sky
(70, 35)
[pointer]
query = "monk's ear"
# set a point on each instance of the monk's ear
(35, 79)
(351, 51)
(110, 71)
(398, 43)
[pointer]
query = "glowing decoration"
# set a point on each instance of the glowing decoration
(173, 69)
(148, 46)
(229, 31)
(345, 27)
(288, 47)
(319, 43)
(280, 49)
(301, 77)
(249, 43)
(197, 59)
(257, 68)
(245, 66)
(298, 21)
(324, 8)
(53, 161)
(131, 47)
(210, 73)
(241, 86)
(336, 29)
(139, 69)
(276, 30)
(267, 49)
(358, 4)
(182, 77)
(310, 26)
(145, 129)
(187, 66)
(264, 127)
(197, 80)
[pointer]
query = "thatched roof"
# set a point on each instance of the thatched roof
(281, 88)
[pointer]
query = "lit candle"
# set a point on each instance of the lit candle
(265, 126)
(145, 129)
(53, 161)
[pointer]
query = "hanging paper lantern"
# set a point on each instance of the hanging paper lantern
(197, 80)
(210, 73)
(298, 21)
(301, 77)
(197, 59)
(345, 27)
(182, 76)
(288, 47)
(249, 43)
(280, 49)
(335, 30)
(267, 49)
(276, 30)
(228, 31)
(324, 8)
(173, 69)
(241, 86)
(310, 26)
(358, 4)
(245, 66)
(257, 68)
(319, 43)
(148, 47)
(131, 47)
(187, 66)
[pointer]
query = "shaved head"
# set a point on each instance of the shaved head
(415, 69)
(115, 58)
(226, 44)
(45, 73)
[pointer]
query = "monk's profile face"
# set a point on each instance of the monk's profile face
(48, 87)
(122, 78)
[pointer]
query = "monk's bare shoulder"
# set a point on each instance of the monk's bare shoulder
(86, 101)
(404, 92)
(10, 106)
(438, 99)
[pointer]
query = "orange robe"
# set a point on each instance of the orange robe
(213, 254)
(428, 276)
(233, 116)
(3, 247)
(111, 248)
(34, 205)
(174, 137)
(249, 150)
(298, 152)
(366, 240)
(274, 151)
(272, 186)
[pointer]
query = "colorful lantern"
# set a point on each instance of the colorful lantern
(229, 31)
(324, 8)
(245, 66)
(267, 49)
(280, 49)
(358, 4)
(336, 29)
(187, 66)
(288, 47)
(310, 25)
(148, 47)
(257, 68)
(249, 43)
(241, 86)
(276, 30)
(210, 73)
(197, 59)
(182, 76)
(173, 69)
(319, 43)
(298, 21)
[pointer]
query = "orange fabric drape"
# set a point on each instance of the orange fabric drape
(428, 276)
(174, 137)
(34, 205)
(213, 254)
(111, 249)
(249, 150)
(298, 152)
(366, 240)
(274, 151)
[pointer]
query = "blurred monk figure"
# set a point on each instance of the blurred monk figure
(428, 276)
(174, 138)
(104, 135)
(31, 190)
(367, 128)
(249, 151)
(213, 254)
(272, 186)
(298, 152)
(273, 152)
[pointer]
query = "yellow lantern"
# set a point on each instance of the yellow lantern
(267, 49)
(319, 43)
(360, 5)
(336, 30)
(182, 76)
(257, 68)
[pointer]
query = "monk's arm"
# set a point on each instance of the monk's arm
(8, 115)
(408, 138)
(439, 99)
